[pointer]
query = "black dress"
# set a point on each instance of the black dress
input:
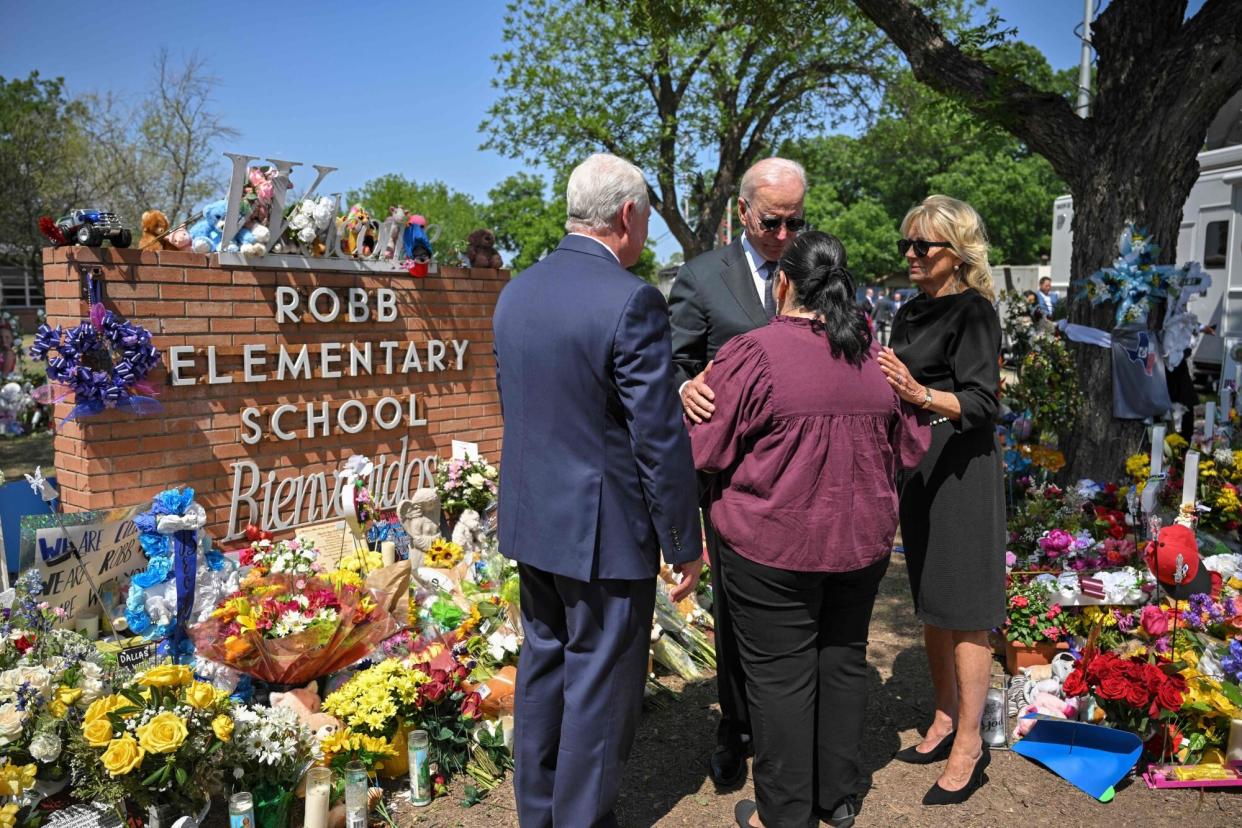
(953, 504)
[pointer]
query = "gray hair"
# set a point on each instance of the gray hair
(770, 171)
(598, 189)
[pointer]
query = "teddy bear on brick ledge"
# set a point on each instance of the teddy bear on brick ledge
(481, 249)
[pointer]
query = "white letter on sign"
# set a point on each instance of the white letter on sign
(280, 433)
(358, 310)
(385, 305)
(248, 417)
(176, 363)
(314, 304)
(286, 304)
(240, 468)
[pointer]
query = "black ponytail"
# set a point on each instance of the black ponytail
(815, 266)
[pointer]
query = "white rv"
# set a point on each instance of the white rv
(1210, 233)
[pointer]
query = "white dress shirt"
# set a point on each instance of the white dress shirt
(756, 261)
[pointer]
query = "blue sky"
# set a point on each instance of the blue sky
(378, 87)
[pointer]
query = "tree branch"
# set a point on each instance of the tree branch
(1044, 120)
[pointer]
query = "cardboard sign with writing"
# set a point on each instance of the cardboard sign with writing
(332, 538)
(107, 545)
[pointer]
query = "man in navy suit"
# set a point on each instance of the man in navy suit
(596, 478)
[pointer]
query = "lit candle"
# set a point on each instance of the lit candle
(1157, 449)
(1190, 483)
(318, 791)
(1209, 420)
(388, 549)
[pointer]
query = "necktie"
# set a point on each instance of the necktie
(769, 304)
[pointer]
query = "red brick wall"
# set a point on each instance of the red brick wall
(118, 458)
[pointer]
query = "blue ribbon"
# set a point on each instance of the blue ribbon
(185, 557)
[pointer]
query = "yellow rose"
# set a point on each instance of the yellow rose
(222, 726)
(166, 675)
(101, 707)
(201, 695)
(122, 756)
(58, 709)
(98, 732)
(8, 815)
(163, 734)
(68, 695)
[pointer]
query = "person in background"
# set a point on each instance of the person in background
(1048, 300)
(719, 295)
(945, 358)
(804, 446)
(885, 309)
(599, 460)
(869, 301)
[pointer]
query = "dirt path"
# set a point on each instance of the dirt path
(666, 781)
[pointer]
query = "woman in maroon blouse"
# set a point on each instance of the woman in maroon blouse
(805, 444)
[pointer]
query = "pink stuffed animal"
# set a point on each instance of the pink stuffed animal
(1045, 704)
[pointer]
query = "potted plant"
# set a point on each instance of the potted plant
(1034, 629)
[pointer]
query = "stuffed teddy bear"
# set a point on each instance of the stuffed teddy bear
(469, 534)
(305, 702)
(481, 249)
(154, 230)
(205, 234)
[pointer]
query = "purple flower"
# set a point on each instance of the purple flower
(1231, 663)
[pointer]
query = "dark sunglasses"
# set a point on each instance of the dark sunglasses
(921, 246)
(793, 224)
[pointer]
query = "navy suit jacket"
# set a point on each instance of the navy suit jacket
(596, 475)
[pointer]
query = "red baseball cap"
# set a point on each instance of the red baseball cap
(1174, 559)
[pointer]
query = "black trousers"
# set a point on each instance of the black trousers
(802, 638)
(579, 695)
(730, 680)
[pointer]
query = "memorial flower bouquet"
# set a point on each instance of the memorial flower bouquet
(1030, 618)
(1213, 697)
(1135, 693)
(48, 676)
(291, 557)
(377, 700)
(270, 751)
(287, 629)
(159, 741)
(466, 484)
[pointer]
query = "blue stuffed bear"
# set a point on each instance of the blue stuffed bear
(205, 233)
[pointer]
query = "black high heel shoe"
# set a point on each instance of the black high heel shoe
(939, 753)
(939, 796)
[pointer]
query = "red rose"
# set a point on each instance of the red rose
(1053, 612)
(1153, 677)
(1103, 665)
(1110, 488)
(1116, 531)
(470, 706)
(1177, 682)
(1018, 601)
(433, 690)
(1217, 583)
(1074, 684)
(1137, 695)
(1113, 687)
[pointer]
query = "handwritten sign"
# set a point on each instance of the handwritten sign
(134, 657)
(107, 548)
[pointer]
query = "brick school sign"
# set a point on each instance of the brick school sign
(270, 378)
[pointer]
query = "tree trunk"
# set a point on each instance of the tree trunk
(1132, 181)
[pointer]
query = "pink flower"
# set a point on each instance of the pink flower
(1155, 622)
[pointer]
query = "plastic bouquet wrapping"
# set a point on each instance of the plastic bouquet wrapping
(286, 629)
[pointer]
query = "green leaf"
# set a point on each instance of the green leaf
(181, 775)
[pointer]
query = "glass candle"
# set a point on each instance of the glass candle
(356, 785)
(420, 767)
(318, 795)
(1233, 749)
(241, 810)
(388, 550)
